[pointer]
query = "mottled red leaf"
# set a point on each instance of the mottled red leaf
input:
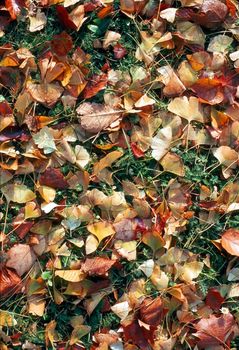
(97, 266)
(136, 150)
(152, 311)
(137, 335)
(215, 331)
(214, 299)
(62, 43)
(14, 7)
(95, 84)
(65, 18)
(23, 228)
(119, 51)
(10, 282)
(53, 178)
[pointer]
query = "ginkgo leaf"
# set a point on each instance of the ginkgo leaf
(91, 244)
(95, 117)
(121, 309)
(44, 140)
(106, 161)
(70, 275)
(173, 163)
(144, 101)
(46, 93)
(101, 230)
(47, 193)
(18, 193)
(220, 43)
(82, 156)
(187, 108)
(228, 157)
(161, 142)
(31, 210)
(189, 271)
(37, 22)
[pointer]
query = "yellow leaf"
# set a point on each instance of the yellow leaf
(31, 211)
(36, 305)
(18, 193)
(47, 193)
(107, 161)
(101, 229)
(70, 275)
(7, 319)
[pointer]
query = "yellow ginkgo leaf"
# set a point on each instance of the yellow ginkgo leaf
(70, 275)
(18, 193)
(47, 193)
(31, 211)
(101, 229)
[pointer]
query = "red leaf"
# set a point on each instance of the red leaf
(231, 7)
(23, 228)
(152, 311)
(136, 150)
(105, 11)
(214, 299)
(119, 51)
(62, 43)
(10, 282)
(14, 7)
(53, 178)
(95, 84)
(97, 266)
(136, 334)
(65, 18)
(214, 331)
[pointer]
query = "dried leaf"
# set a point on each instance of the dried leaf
(230, 241)
(17, 193)
(21, 258)
(95, 117)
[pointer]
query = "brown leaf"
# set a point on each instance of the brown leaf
(10, 282)
(152, 311)
(53, 178)
(21, 258)
(106, 161)
(98, 266)
(47, 94)
(95, 117)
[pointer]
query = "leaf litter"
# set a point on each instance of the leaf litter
(119, 225)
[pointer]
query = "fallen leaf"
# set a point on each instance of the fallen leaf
(101, 230)
(230, 241)
(98, 266)
(187, 108)
(17, 193)
(37, 22)
(214, 331)
(21, 258)
(95, 117)
(46, 93)
(152, 311)
(44, 140)
(70, 275)
(161, 142)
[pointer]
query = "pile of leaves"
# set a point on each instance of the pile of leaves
(119, 188)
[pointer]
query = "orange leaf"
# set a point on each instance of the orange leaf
(230, 241)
